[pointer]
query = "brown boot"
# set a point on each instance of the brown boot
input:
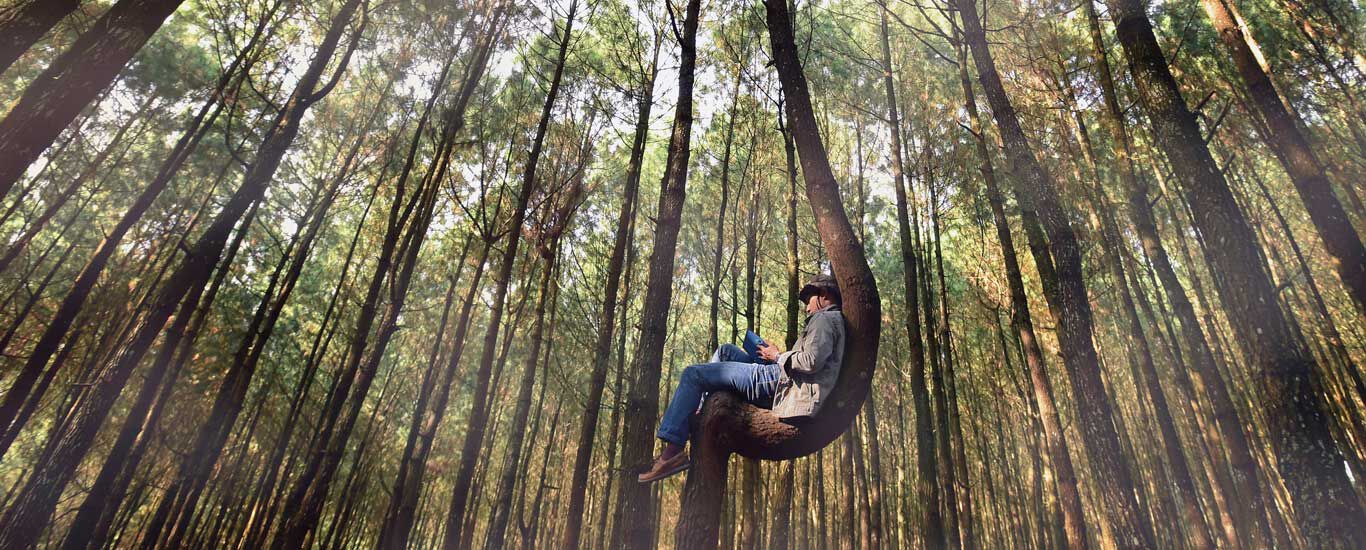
(665, 467)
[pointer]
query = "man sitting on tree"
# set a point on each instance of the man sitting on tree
(793, 383)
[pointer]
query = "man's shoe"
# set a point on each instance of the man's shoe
(665, 467)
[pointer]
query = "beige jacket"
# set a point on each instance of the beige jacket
(812, 366)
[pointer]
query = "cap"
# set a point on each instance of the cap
(822, 284)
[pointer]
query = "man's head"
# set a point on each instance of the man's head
(821, 291)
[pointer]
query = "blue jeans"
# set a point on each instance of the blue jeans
(730, 369)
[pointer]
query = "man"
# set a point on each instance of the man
(794, 382)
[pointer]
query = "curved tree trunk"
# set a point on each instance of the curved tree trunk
(729, 425)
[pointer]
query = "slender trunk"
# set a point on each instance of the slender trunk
(24, 523)
(497, 529)
(713, 340)
(1292, 148)
(954, 427)
(1069, 497)
(81, 287)
(478, 420)
(1067, 288)
(607, 317)
(1297, 416)
(948, 482)
(642, 404)
(59, 94)
(931, 522)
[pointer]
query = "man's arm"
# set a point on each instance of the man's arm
(816, 351)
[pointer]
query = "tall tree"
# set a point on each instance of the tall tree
(24, 522)
(72, 80)
(931, 522)
(478, 420)
(1297, 414)
(602, 347)
(642, 402)
(1292, 148)
(24, 23)
(1059, 262)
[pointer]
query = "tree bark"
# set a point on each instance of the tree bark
(56, 96)
(931, 522)
(1296, 155)
(24, 24)
(1035, 188)
(1297, 416)
(642, 403)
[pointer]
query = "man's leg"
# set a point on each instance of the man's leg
(696, 380)
(730, 352)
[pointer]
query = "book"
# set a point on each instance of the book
(751, 346)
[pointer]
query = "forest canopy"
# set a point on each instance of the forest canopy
(426, 273)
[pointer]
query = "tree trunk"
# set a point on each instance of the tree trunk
(497, 528)
(642, 403)
(1297, 414)
(1292, 148)
(953, 427)
(1069, 496)
(478, 420)
(931, 522)
(602, 348)
(728, 425)
(24, 24)
(56, 96)
(24, 522)
(1036, 189)
(84, 282)
(713, 340)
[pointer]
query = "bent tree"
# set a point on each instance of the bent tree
(728, 425)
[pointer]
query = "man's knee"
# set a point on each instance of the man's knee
(692, 374)
(729, 352)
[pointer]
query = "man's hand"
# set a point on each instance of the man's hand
(769, 352)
